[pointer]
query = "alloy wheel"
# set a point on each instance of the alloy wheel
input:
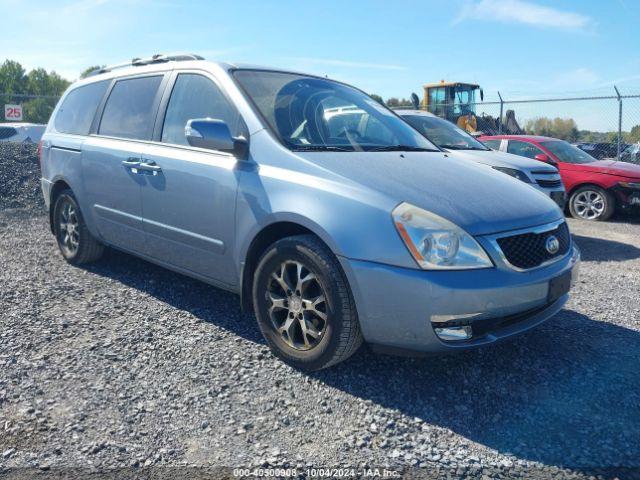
(298, 306)
(69, 228)
(589, 204)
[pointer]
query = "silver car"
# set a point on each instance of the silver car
(333, 233)
(460, 144)
(21, 132)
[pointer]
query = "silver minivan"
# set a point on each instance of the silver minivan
(332, 233)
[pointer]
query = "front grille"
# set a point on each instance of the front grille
(549, 183)
(528, 250)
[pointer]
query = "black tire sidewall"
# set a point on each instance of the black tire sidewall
(67, 196)
(609, 203)
(322, 353)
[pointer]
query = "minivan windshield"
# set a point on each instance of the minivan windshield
(315, 114)
(567, 152)
(443, 133)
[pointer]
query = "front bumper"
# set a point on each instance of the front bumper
(399, 308)
(627, 197)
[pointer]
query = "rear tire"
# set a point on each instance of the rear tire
(75, 242)
(303, 304)
(592, 203)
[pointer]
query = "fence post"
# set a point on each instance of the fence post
(500, 119)
(619, 120)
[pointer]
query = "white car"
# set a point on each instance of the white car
(458, 143)
(21, 132)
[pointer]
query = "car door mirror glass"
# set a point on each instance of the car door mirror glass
(214, 134)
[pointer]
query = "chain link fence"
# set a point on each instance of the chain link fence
(605, 126)
(27, 108)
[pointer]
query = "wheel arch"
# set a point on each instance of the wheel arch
(266, 236)
(585, 184)
(58, 186)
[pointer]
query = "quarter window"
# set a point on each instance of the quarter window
(523, 149)
(195, 96)
(76, 113)
(129, 111)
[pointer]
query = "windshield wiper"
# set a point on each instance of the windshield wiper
(401, 148)
(320, 148)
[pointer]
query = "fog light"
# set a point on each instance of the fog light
(454, 333)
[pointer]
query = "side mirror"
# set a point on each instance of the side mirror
(481, 95)
(215, 135)
(415, 101)
(543, 158)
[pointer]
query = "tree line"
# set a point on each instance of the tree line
(37, 91)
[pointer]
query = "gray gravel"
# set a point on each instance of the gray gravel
(126, 365)
(19, 176)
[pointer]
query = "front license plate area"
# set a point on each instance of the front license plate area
(559, 286)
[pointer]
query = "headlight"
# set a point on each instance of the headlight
(634, 185)
(514, 173)
(436, 243)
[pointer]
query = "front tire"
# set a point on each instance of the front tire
(303, 304)
(592, 203)
(76, 243)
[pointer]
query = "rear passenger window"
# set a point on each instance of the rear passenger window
(129, 110)
(195, 96)
(79, 107)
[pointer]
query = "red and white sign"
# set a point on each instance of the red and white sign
(13, 112)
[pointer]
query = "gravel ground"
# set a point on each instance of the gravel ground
(19, 176)
(124, 365)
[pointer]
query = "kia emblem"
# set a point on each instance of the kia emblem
(552, 244)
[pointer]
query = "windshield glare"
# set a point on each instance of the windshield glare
(309, 113)
(443, 133)
(567, 152)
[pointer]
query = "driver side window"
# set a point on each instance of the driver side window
(195, 96)
(523, 149)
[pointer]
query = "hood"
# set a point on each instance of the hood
(609, 167)
(502, 159)
(478, 199)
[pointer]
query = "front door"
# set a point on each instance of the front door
(189, 197)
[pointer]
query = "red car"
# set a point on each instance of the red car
(594, 187)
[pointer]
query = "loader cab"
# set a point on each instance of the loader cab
(451, 100)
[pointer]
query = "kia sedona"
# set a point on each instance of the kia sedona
(595, 188)
(333, 234)
(459, 144)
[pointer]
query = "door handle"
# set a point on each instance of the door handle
(150, 166)
(131, 162)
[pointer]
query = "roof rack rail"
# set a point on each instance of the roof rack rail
(138, 62)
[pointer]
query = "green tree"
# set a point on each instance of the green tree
(85, 73)
(633, 136)
(377, 98)
(563, 128)
(396, 102)
(37, 92)
(12, 77)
